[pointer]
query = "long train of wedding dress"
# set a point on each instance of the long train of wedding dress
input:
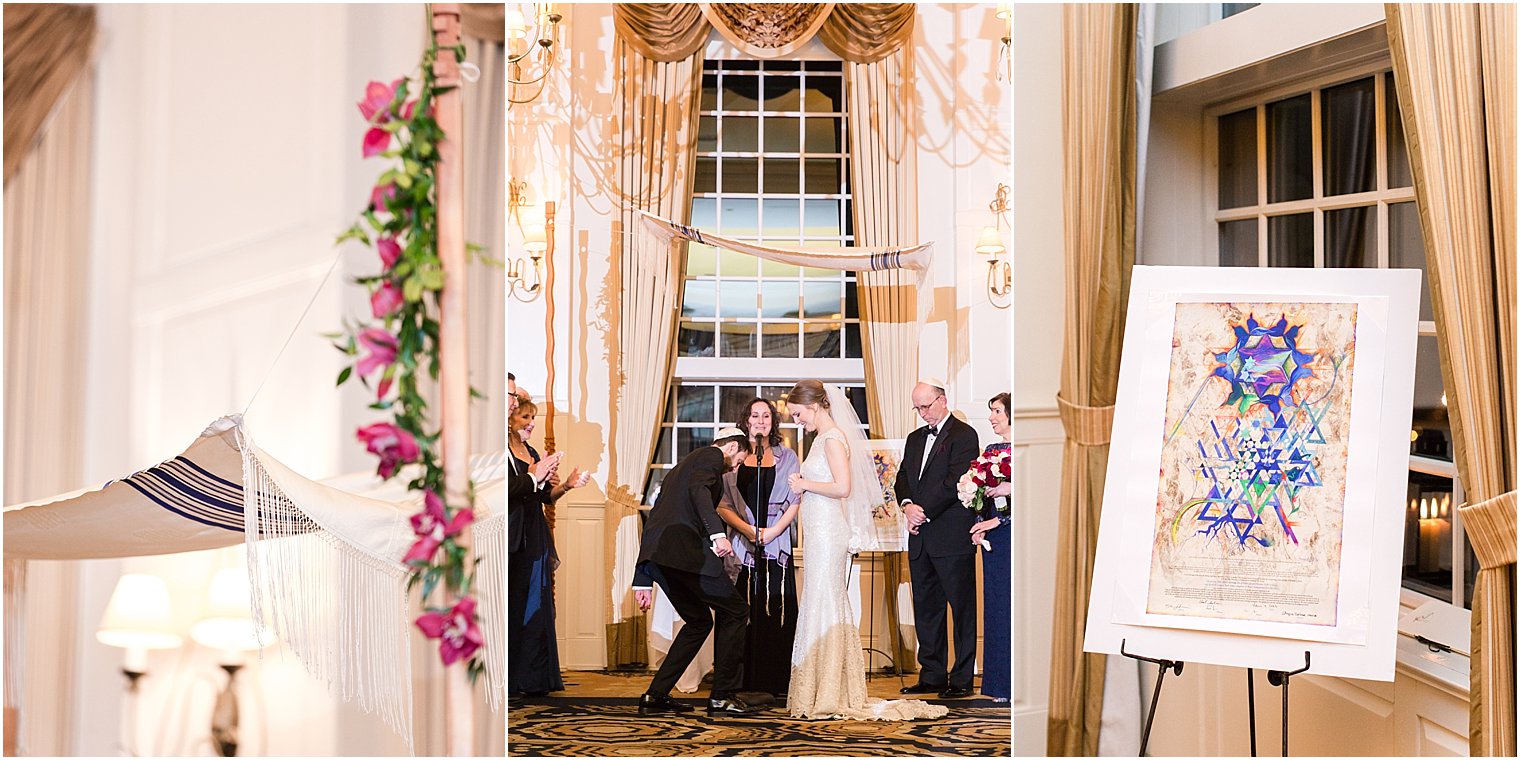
(828, 669)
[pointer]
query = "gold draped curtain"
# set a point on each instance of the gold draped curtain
(884, 179)
(657, 155)
(857, 32)
(46, 48)
(1454, 66)
(49, 113)
(1098, 195)
(486, 22)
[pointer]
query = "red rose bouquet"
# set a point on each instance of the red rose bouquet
(988, 471)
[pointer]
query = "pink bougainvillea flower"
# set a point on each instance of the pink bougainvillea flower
(389, 251)
(383, 388)
(385, 300)
(376, 140)
(393, 445)
(458, 634)
(382, 350)
(377, 101)
(406, 110)
(432, 526)
(380, 195)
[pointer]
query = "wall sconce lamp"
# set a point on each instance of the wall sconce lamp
(1005, 55)
(137, 619)
(229, 628)
(523, 53)
(525, 276)
(990, 244)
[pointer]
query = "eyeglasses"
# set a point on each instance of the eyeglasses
(928, 406)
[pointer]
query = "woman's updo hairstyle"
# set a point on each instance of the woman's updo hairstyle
(808, 392)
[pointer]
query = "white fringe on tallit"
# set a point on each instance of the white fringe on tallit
(340, 609)
(490, 589)
(15, 631)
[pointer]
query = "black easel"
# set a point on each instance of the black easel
(1150, 717)
(1276, 678)
(869, 594)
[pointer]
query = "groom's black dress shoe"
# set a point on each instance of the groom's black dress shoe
(731, 705)
(922, 688)
(954, 692)
(652, 705)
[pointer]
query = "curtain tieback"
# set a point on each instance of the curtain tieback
(1491, 527)
(623, 496)
(1086, 425)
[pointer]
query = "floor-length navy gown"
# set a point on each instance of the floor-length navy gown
(997, 574)
(532, 647)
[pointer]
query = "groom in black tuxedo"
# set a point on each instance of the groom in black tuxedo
(941, 557)
(682, 549)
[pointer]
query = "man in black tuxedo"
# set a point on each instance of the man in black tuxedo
(941, 560)
(682, 549)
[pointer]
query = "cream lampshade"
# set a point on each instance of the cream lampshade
(517, 26)
(990, 243)
(535, 239)
(137, 619)
(228, 625)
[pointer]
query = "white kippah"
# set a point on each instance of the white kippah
(934, 381)
(730, 432)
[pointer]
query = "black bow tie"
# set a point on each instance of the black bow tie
(933, 431)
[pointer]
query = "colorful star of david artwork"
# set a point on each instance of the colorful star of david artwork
(1251, 497)
(1258, 456)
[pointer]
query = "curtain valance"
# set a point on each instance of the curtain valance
(857, 32)
(484, 21)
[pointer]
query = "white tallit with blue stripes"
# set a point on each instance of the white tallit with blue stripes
(324, 559)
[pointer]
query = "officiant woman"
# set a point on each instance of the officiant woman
(755, 501)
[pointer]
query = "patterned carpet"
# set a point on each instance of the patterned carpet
(594, 718)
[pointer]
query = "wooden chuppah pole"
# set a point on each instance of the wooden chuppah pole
(453, 372)
(549, 442)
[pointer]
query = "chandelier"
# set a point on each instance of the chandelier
(531, 50)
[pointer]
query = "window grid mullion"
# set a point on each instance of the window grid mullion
(1317, 172)
(1380, 106)
(1261, 184)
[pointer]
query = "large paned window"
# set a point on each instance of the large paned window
(1321, 178)
(697, 409)
(772, 168)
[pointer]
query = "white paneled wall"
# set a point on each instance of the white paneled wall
(581, 584)
(227, 158)
(1037, 436)
(1037, 480)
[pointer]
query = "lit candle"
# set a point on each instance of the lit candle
(1429, 546)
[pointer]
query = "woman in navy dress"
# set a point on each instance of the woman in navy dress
(532, 643)
(997, 567)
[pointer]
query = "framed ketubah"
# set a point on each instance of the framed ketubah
(891, 525)
(1254, 502)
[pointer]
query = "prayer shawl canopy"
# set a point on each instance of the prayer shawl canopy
(324, 562)
(914, 258)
